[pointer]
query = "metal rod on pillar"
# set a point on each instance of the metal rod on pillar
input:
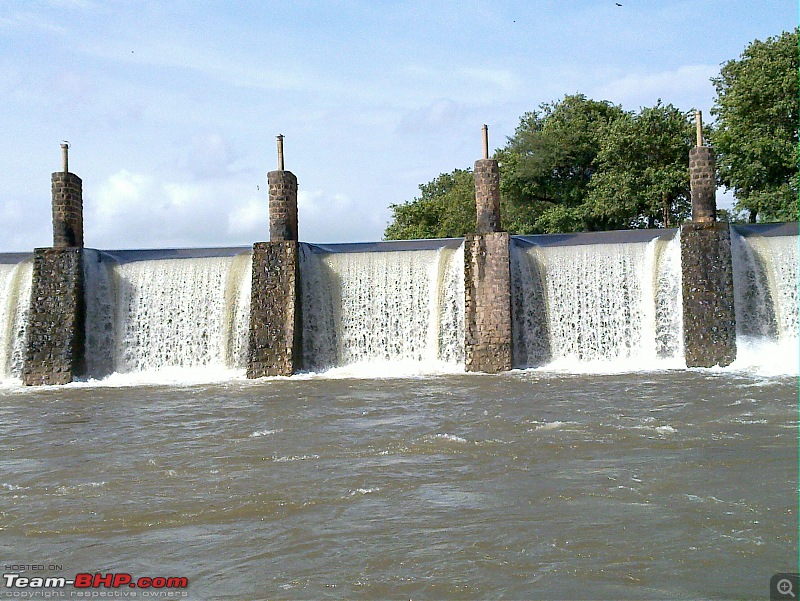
(698, 120)
(65, 156)
(485, 141)
(280, 152)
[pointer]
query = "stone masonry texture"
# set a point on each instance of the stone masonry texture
(275, 347)
(67, 210)
(54, 351)
(709, 320)
(282, 205)
(487, 195)
(703, 184)
(487, 284)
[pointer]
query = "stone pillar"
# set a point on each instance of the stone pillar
(487, 276)
(709, 318)
(275, 347)
(67, 206)
(487, 195)
(282, 205)
(54, 346)
(487, 308)
(55, 340)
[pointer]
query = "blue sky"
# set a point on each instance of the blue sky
(172, 107)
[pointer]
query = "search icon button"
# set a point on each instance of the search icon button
(783, 586)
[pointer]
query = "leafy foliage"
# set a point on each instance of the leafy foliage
(642, 177)
(548, 164)
(756, 132)
(445, 209)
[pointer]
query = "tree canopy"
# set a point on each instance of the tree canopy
(755, 134)
(579, 164)
(550, 160)
(444, 209)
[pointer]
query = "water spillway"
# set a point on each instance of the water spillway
(765, 262)
(608, 297)
(15, 292)
(153, 311)
(391, 302)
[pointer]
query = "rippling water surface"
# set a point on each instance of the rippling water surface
(672, 484)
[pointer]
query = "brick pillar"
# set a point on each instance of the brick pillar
(54, 345)
(275, 346)
(67, 210)
(282, 205)
(709, 319)
(703, 183)
(487, 195)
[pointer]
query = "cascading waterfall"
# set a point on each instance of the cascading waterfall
(617, 301)
(15, 293)
(382, 306)
(151, 314)
(593, 302)
(765, 278)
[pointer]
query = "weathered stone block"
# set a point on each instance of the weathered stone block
(709, 318)
(67, 205)
(282, 205)
(703, 184)
(487, 195)
(275, 347)
(487, 289)
(54, 351)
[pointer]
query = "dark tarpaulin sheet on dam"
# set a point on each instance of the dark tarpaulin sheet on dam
(766, 229)
(14, 258)
(389, 246)
(155, 254)
(613, 237)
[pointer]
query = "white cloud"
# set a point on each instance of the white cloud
(677, 86)
(130, 210)
(249, 221)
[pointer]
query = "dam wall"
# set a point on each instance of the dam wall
(489, 302)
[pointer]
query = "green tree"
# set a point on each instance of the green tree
(755, 135)
(550, 160)
(444, 209)
(642, 177)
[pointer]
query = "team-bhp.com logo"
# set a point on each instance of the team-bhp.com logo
(87, 581)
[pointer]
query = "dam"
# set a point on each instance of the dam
(489, 303)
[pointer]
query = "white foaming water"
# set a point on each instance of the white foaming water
(598, 306)
(404, 307)
(171, 313)
(765, 284)
(15, 293)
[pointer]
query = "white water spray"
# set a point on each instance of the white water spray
(765, 281)
(597, 302)
(368, 307)
(169, 313)
(15, 293)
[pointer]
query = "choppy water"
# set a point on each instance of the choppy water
(652, 485)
